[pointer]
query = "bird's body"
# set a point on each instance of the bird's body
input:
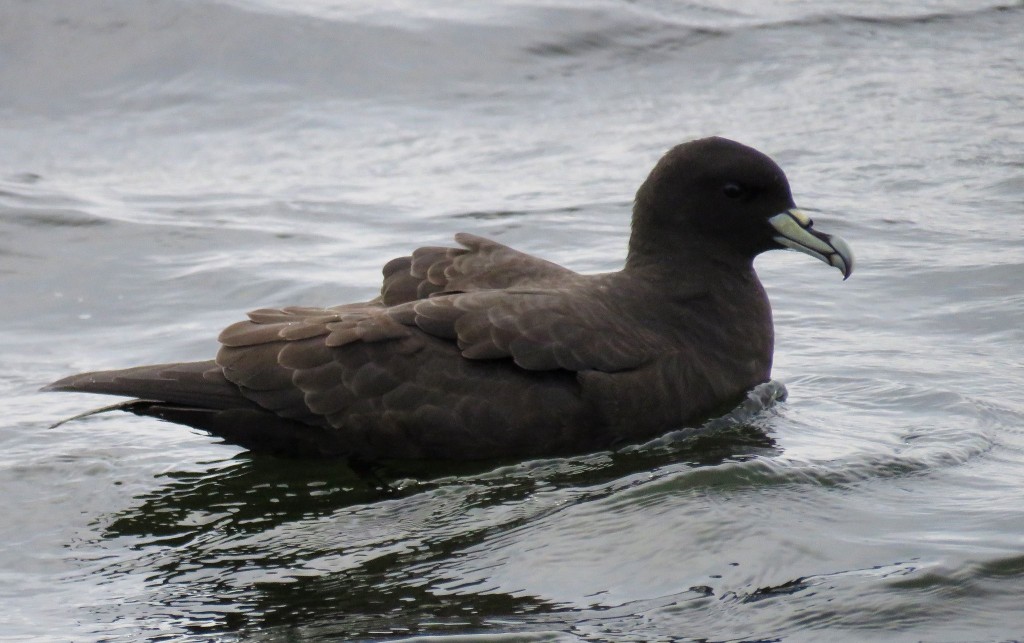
(483, 351)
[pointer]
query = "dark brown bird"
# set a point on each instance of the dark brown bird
(484, 351)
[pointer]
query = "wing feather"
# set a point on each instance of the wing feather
(538, 329)
(481, 264)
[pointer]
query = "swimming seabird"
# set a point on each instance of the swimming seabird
(482, 351)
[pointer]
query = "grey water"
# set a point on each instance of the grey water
(167, 165)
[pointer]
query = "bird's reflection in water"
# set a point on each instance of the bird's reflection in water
(315, 544)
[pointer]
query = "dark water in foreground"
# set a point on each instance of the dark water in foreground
(167, 165)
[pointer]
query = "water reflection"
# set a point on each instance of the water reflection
(315, 545)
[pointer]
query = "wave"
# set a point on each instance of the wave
(63, 56)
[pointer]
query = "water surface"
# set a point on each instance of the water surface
(165, 166)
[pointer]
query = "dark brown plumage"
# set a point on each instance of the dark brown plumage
(483, 351)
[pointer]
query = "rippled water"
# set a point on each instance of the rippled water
(167, 165)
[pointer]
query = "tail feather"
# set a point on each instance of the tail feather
(197, 394)
(191, 384)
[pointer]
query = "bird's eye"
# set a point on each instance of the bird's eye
(732, 190)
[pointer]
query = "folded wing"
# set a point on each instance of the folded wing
(443, 361)
(481, 264)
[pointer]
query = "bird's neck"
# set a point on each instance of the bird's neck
(698, 259)
(717, 305)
